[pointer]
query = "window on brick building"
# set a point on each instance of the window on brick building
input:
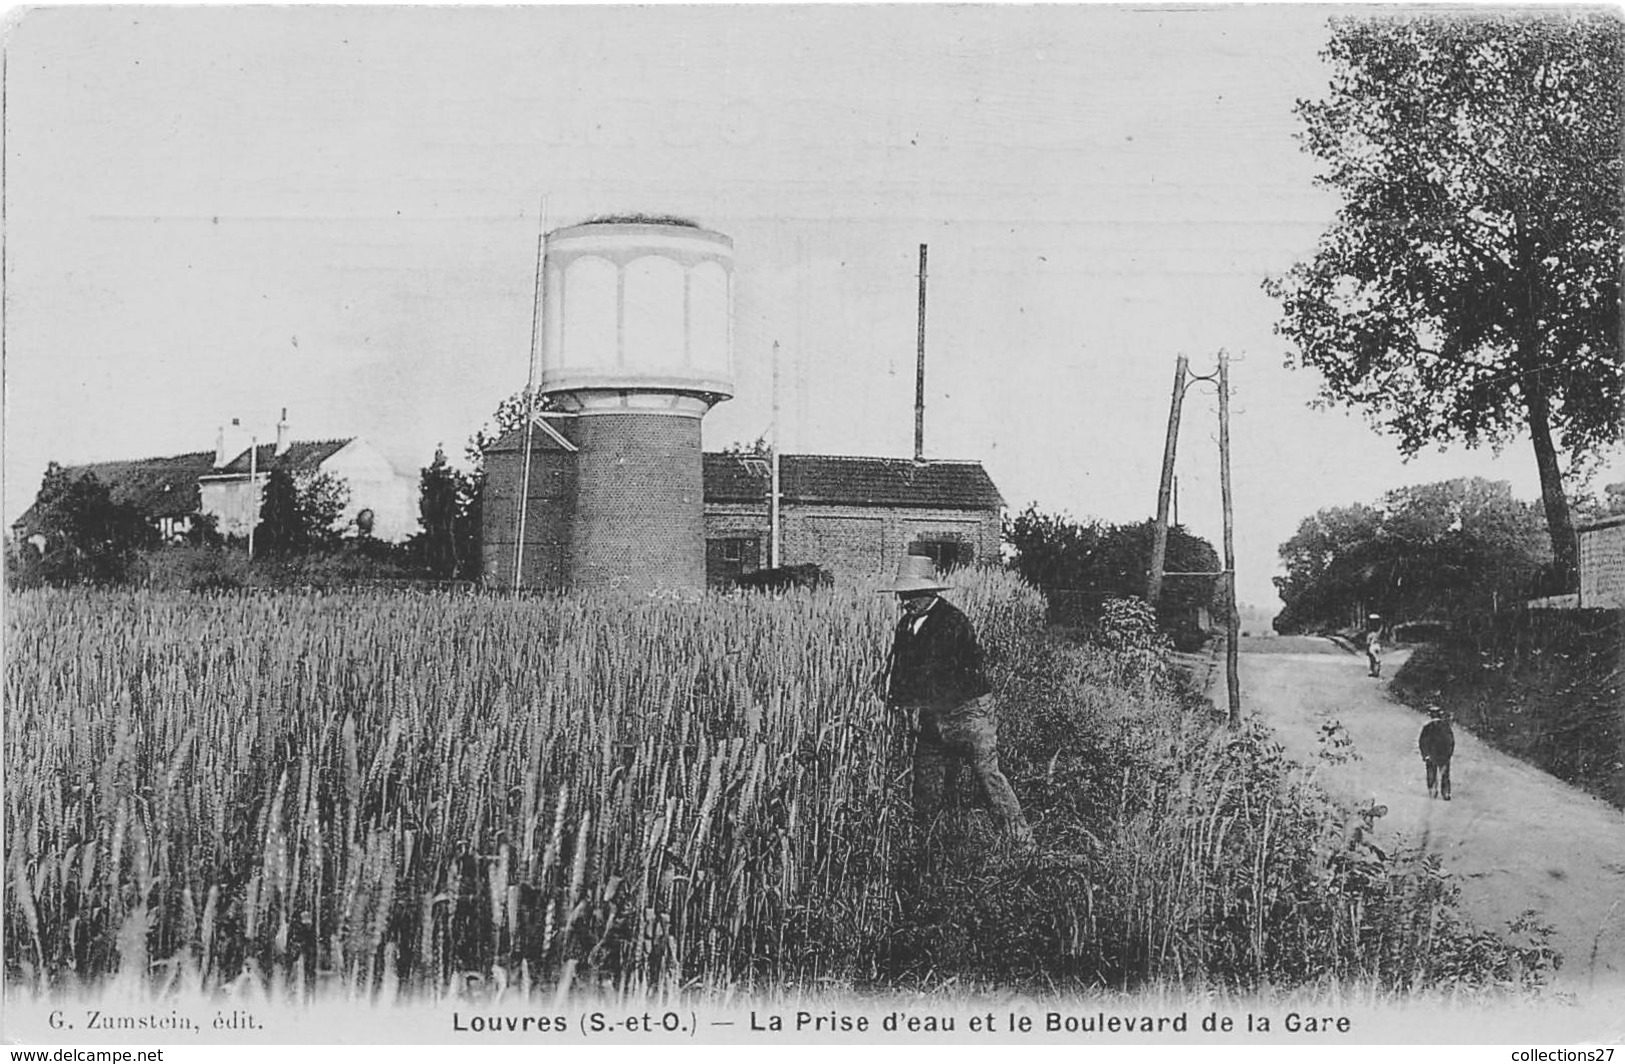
(947, 552)
(727, 557)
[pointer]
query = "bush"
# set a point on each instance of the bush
(199, 568)
(23, 565)
(88, 538)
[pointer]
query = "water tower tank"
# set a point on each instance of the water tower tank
(638, 344)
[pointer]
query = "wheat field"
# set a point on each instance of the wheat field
(404, 796)
(399, 792)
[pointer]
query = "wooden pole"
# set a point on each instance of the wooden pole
(253, 494)
(1232, 649)
(1159, 544)
(530, 404)
(773, 510)
(919, 372)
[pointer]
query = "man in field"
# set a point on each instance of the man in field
(934, 673)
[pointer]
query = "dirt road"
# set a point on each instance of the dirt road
(1517, 837)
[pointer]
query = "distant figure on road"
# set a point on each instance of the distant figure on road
(935, 674)
(1373, 644)
(1437, 743)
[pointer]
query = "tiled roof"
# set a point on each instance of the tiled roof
(829, 479)
(738, 478)
(853, 481)
(161, 487)
(302, 456)
(514, 439)
(168, 487)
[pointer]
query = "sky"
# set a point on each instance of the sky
(219, 212)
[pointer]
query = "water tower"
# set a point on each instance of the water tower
(637, 346)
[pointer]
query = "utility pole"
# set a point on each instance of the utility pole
(773, 508)
(1232, 650)
(919, 373)
(530, 404)
(1159, 545)
(253, 492)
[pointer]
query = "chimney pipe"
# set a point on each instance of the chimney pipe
(229, 444)
(282, 440)
(919, 373)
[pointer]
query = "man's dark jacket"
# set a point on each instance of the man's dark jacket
(940, 664)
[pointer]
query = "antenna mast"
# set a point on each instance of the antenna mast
(774, 532)
(919, 372)
(530, 403)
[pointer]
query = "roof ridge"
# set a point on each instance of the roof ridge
(311, 443)
(135, 461)
(854, 458)
(883, 460)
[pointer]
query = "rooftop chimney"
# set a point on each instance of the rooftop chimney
(282, 440)
(232, 441)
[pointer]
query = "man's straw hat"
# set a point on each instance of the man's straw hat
(917, 573)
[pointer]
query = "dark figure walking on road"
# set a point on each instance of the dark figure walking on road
(1437, 743)
(936, 675)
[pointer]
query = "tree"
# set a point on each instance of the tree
(760, 448)
(205, 531)
(282, 527)
(1469, 288)
(88, 538)
(322, 499)
(1328, 563)
(1081, 566)
(53, 486)
(299, 514)
(447, 510)
(1435, 550)
(509, 415)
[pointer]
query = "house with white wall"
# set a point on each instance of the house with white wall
(229, 482)
(233, 490)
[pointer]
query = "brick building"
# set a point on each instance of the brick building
(853, 516)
